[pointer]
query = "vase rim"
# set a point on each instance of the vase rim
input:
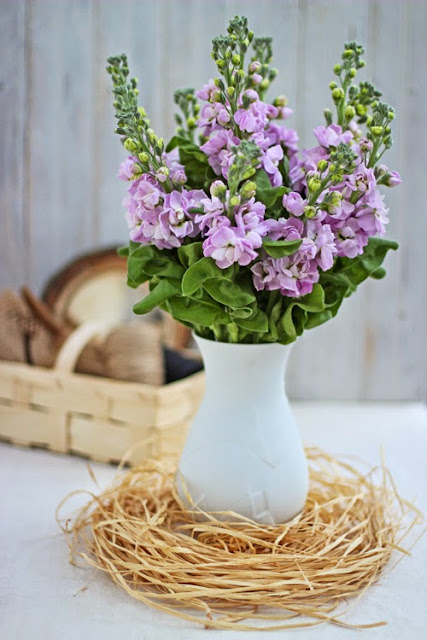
(237, 345)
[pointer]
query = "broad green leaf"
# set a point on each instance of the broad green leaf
(166, 267)
(243, 312)
(292, 320)
(197, 312)
(280, 248)
(188, 254)
(199, 272)
(137, 260)
(257, 322)
(228, 293)
(123, 251)
(164, 290)
(379, 273)
(265, 192)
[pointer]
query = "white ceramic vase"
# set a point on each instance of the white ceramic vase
(243, 452)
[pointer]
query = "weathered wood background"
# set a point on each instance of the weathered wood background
(58, 154)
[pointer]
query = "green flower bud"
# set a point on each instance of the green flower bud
(249, 173)
(349, 112)
(250, 36)
(314, 184)
(218, 189)
(234, 201)
(227, 54)
(309, 211)
(265, 84)
(191, 122)
(219, 83)
(391, 115)
(348, 53)
(137, 169)
(231, 91)
(196, 109)
(240, 74)
(144, 157)
(337, 69)
(328, 116)
(215, 96)
(376, 131)
(142, 112)
(322, 165)
(235, 59)
(220, 64)
(280, 101)
(352, 72)
(337, 94)
(248, 190)
(361, 110)
(130, 145)
(333, 85)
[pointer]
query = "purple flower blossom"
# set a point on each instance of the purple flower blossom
(292, 277)
(270, 162)
(372, 215)
(324, 242)
(217, 148)
(332, 135)
(253, 119)
(228, 245)
(350, 239)
(294, 203)
(362, 181)
(126, 170)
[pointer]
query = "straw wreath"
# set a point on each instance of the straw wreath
(274, 577)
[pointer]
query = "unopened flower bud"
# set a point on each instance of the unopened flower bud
(151, 135)
(142, 112)
(191, 122)
(231, 91)
(220, 64)
(215, 96)
(361, 110)
(337, 69)
(219, 83)
(348, 53)
(256, 78)
(322, 165)
(234, 201)
(349, 112)
(143, 157)
(162, 174)
(376, 131)
(178, 177)
(337, 94)
(265, 84)
(249, 172)
(250, 36)
(130, 145)
(254, 67)
(218, 189)
(280, 101)
(248, 190)
(391, 115)
(309, 211)
(235, 59)
(353, 72)
(333, 85)
(314, 184)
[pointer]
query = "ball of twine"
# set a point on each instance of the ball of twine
(240, 574)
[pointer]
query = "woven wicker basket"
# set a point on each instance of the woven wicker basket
(99, 418)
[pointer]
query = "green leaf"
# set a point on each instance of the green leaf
(188, 254)
(265, 193)
(137, 259)
(164, 290)
(257, 322)
(199, 272)
(280, 248)
(293, 320)
(164, 266)
(228, 293)
(123, 251)
(379, 273)
(243, 312)
(197, 312)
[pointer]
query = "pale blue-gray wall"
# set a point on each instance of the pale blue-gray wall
(59, 156)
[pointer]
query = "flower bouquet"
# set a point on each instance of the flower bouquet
(249, 241)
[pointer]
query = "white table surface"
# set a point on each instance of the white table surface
(41, 594)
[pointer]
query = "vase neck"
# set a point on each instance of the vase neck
(256, 366)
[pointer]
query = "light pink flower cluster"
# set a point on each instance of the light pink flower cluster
(159, 218)
(256, 122)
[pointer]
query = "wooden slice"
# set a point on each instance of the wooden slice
(93, 288)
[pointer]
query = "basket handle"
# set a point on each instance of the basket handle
(77, 340)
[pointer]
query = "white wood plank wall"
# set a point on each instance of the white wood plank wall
(59, 156)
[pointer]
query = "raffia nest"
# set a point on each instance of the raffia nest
(239, 574)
